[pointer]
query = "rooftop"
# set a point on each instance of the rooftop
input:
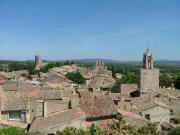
(98, 107)
(44, 123)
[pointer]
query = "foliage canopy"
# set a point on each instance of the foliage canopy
(76, 77)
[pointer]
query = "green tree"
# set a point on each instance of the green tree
(177, 120)
(115, 88)
(46, 68)
(175, 131)
(177, 83)
(67, 62)
(113, 72)
(121, 127)
(150, 129)
(67, 131)
(72, 131)
(12, 131)
(32, 70)
(76, 77)
(130, 77)
(165, 80)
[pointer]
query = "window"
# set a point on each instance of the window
(172, 120)
(15, 115)
(147, 116)
(171, 112)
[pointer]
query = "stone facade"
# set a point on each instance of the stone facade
(157, 114)
(31, 112)
(40, 108)
(148, 80)
(48, 107)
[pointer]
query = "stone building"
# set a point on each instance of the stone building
(15, 110)
(148, 75)
(57, 122)
(54, 113)
(98, 110)
(154, 111)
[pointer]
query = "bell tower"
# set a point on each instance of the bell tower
(148, 75)
(148, 60)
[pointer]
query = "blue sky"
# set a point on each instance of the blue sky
(77, 29)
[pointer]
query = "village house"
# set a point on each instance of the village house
(16, 110)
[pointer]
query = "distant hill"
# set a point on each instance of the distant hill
(107, 61)
(168, 62)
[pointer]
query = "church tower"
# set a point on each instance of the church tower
(148, 75)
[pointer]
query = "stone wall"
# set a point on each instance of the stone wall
(5, 115)
(158, 114)
(148, 80)
(40, 108)
(31, 113)
(124, 105)
(128, 88)
(47, 107)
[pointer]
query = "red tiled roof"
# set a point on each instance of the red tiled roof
(98, 107)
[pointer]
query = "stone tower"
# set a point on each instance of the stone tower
(148, 75)
(37, 62)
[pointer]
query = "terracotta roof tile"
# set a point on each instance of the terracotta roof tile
(45, 123)
(98, 107)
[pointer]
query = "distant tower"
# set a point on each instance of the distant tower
(148, 60)
(100, 65)
(148, 75)
(37, 62)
